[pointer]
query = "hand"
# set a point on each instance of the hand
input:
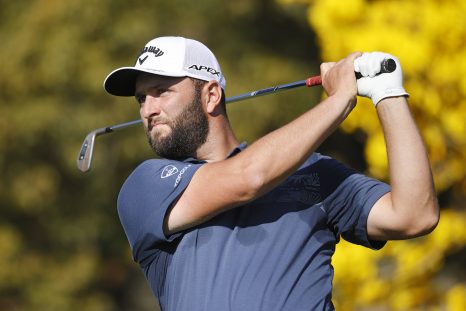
(339, 77)
(374, 86)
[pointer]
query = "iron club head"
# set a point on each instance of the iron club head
(84, 160)
(85, 154)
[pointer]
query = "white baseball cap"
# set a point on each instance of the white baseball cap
(167, 56)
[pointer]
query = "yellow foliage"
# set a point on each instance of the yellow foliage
(376, 154)
(402, 274)
(456, 298)
(428, 37)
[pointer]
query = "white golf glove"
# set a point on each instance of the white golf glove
(378, 86)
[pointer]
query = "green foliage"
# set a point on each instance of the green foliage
(61, 241)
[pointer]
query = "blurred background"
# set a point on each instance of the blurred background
(61, 243)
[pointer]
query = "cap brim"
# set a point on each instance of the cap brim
(122, 81)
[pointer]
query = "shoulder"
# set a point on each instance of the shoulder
(166, 177)
(152, 187)
(155, 165)
(158, 170)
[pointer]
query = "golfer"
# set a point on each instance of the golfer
(218, 225)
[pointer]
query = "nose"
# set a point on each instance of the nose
(150, 107)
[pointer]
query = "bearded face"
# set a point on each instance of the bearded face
(189, 130)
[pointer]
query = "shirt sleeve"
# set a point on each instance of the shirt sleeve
(349, 198)
(144, 200)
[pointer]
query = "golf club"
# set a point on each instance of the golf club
(84, 160)
(87, 149)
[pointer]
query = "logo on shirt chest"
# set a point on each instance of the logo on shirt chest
(300, 188)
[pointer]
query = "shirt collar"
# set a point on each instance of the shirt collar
(232, 153)
(238, 149)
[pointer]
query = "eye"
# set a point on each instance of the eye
(140, 98)
(161, 91)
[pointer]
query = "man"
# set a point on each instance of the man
(216, 225)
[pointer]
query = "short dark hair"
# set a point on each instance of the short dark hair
(198, 84)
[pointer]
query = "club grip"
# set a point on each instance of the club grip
(312, 81)
(388, 65)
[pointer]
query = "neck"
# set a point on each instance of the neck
(220, 142)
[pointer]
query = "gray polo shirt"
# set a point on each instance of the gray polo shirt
(271, 254)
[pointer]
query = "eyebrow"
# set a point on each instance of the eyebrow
(165, 83)
(156, 85)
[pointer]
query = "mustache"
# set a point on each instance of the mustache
(152, 121)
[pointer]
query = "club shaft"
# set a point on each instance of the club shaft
(273, 89)
(312, 81)
(116, 127)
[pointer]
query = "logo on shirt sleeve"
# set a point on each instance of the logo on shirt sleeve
(183, 170)
(171, 170)
(168, 171)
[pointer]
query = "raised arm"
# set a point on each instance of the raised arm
(226, 184)
(411, 208)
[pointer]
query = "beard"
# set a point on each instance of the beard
(189, 131)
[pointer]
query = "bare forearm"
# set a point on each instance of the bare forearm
(281, 152)
(413, 195)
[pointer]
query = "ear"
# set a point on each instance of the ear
(213, 97)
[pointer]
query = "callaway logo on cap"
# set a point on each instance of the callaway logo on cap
(167, 56)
